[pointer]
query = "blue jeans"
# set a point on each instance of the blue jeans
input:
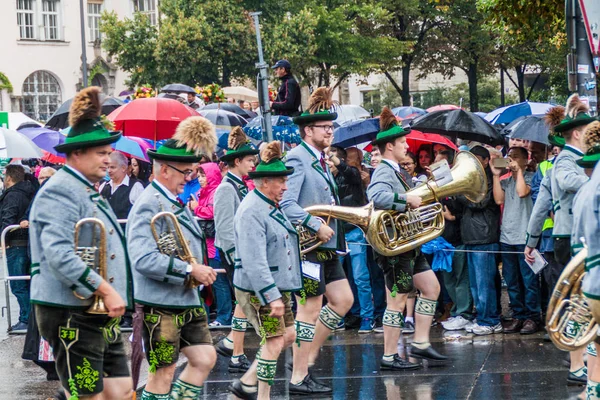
(482, 274)
(360, 271)
(377, 284)
(222, 293)
(17, 259)
(522, 284)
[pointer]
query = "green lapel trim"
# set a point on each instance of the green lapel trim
(325, 174)
(235, 179)
(265, 198)
(190, 225)
(397, 174)
(574, 150)
(155, 186)
(107, 210)
(68, 170)
(282, 220)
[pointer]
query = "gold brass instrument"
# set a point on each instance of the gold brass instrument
(94, 257)
(568, 308)
(392, 232)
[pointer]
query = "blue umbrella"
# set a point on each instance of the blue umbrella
(44, 138)
(124, 145)
(284, 129)
(223, 119)
(356, 132)
(531, 127)
(404, 112)
(506, 115)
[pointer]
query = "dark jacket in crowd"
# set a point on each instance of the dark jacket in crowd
(288, 97)
(350, 189)
(480, 222)
(452, 228)
(14, 202)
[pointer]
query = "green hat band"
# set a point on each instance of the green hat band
(393, 131)
(243, 147)
(274, 166)
(178, 151)
(88, 137)
(323, 112)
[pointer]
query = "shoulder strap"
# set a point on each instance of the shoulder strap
(236, 189)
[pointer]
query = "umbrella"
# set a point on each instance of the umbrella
(443, 107)
(530, 127)
(240, 93)
(508, 114)
(408, 112)
(177, 88)
(415, 138)
(126, 92)
(15, 145)
(150, 118)
(54, 159)
(131, 147)
(18, 119)
(350, 112)
(355, 132)
(223, 119)
(44, 138)
(284, 129)
(60, 119)
(458, 124)
(234, 108)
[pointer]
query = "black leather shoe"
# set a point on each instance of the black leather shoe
(241, 366)
(222, 350)
(428, 353)
(238, 390)
(308, 386)
(398, 364)
(573, 380)
(290, 367)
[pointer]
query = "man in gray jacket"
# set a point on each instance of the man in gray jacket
(267, 270)
(173, 312)
(403, 272)
(240, 159)
(88, 349)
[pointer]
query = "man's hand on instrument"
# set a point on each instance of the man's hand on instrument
(112, 300)
(277, 308)
(413, 201)
(325, 233)
(528, 254)
(204, 274)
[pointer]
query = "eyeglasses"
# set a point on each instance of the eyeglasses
(185, 173)
(406, 164)
(326, 128)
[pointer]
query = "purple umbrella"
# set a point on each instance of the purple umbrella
(126, 92)
(45, 138)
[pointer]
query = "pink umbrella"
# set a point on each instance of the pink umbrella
(144, 145)
(442, 107)
(416, 138)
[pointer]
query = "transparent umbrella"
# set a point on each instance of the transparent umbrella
(16, 145)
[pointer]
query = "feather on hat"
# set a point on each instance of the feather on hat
(198, 135)
(85, 105)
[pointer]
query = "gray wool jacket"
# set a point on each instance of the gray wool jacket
(387, 189)
(566, 180)
(159, 279)
(310, 185)
(267, 249)
(226, 202)
(56, 270)
(541, 208)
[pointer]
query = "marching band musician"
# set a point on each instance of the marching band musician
(566, 179)
(174, 317)
(388, 190)
(240, 159)
(267, 270)
(586, 224)
(312, 183)
(89, 353)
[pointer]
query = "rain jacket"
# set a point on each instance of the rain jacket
(288, 97)
(14, 203)
(206, 195)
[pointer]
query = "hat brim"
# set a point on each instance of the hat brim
(588, 161)
(387, 139)
(267, 174)
(69, 147)
(554, 141)
(567, 126)
(310, 118)
(232, 155)
(173, 158)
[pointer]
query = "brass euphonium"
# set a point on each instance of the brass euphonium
(94, 257)
(569, 320)
(392, 232)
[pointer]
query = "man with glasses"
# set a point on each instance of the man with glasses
(174, 317)
(313, 184)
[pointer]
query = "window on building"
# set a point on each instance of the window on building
(50, 10)
(94, 14)
(41, 95)
(147, 7)
(26, 18)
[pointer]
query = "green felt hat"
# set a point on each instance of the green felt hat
(389, 128)
(271, 164)
(591, 157)
(319, 106)
(238, 146)
(556, 140)
(87, 129)
(576, 114)
(172, 151)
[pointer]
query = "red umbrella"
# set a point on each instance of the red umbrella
(443, 107)
(416, 138)
(152, 118)
(54, 159)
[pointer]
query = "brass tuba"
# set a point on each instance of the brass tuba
(94, 257)
(568, 308)
(392, 232)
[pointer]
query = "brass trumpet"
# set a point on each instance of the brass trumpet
(94, 257)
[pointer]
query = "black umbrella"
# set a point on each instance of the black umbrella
(528, 127)
(177, 88)
(458, 124)
(234, 108)
(60, 119)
